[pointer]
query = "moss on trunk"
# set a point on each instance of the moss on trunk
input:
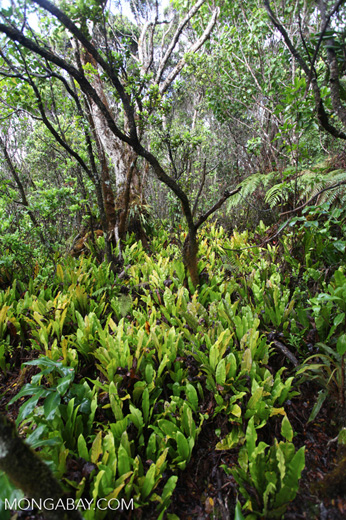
(29, 473)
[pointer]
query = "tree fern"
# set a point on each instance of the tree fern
(335, 194)
(304, 185)
(250, 185)
(278, 193)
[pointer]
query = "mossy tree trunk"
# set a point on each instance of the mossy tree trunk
(29, 473)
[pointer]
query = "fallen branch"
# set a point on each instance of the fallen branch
(285, 351)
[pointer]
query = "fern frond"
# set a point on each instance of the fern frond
(335, 194)
(250, 185)
(278, 193)
(305, 185)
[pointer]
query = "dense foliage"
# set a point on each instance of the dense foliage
(193, 369)
(129, 372)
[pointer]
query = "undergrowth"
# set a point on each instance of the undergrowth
(129, 370)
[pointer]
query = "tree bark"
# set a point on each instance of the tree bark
(29, 473)
(190, 258)
(123, 160)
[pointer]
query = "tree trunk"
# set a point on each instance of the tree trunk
(123, 160)
(190, 250)
(29, 473)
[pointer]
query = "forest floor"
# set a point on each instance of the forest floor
(204, 488)
(204, 491)
(179, 337)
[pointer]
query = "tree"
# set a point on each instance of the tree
(97, 76)
(325, 81)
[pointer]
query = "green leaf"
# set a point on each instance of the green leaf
(168, 428)
(232, 439)
(255, 398)
(27, 389)
(286, 429)
(151, 447)
(183, 446)
(149, 482)
(28, 407)
(339, 318)
(246, 363)
(220, 375)
(35, 435)
(64, 383)
(214, 356)
(187, 422)
(168, 490)
(237, 513)
(145, 405)
(231, 360)
(124, 461)
(341, 344)
(290, 485)
(192, 396)
(251, 437)
(136, 417)
(149, 373)
(82, 448)
(51, 405)
(322, 395)
(96, 448)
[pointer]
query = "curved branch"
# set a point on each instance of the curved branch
(15, 35)
(175, 39)
(216, 206)
(166, 179)
(77, 33)
(313, 198)
(194, 48)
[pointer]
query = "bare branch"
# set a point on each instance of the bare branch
(141, 43)
(285, 351)
(194, 48)
(175, 39)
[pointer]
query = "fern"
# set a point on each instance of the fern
(337, 193)
(278, 193)
(250, 185)
(305, 185)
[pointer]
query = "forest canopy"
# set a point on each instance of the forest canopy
(172, 256)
